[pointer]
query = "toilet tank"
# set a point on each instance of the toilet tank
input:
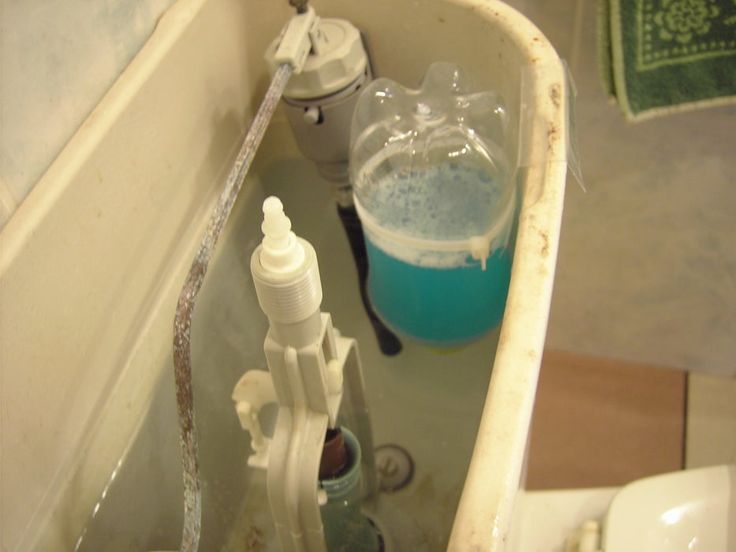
(92, 262)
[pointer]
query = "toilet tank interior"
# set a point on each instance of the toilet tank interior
(101, 246)
(92, 262)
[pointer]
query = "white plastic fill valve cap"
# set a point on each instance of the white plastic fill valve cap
(281, 252)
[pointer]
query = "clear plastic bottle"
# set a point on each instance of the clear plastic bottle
(433, 190)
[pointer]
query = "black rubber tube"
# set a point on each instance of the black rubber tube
(388, 342)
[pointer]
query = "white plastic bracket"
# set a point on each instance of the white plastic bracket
(315, 384)
(479, 249)
(307, 383)
(252, 392)
(308, 362)
(300, 36)
(320, 370)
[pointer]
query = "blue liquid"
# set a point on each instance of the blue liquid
(438, 306)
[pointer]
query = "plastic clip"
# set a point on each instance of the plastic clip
(254, 391)
(301, 36)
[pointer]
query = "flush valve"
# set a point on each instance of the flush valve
(311, 367)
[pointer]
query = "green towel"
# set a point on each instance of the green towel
(664, 56)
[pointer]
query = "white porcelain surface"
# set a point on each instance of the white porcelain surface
(692, 510)
(545, 519)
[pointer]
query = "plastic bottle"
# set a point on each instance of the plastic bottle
(433, 192)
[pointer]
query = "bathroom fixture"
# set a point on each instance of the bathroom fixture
(113, 225)
(291, 55)
(308, 362)
(319, 102)
(395, 467)
(686, 510)
(689, 510)
(292, 308)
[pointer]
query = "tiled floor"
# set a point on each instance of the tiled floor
(602, 423)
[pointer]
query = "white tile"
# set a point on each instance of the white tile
(711, 421)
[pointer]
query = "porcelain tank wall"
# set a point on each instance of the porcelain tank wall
(92, 261)
(58, 59)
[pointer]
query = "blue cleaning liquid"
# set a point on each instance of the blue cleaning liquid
(442, 299)
(438, 306)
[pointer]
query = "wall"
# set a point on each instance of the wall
(58, 59)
